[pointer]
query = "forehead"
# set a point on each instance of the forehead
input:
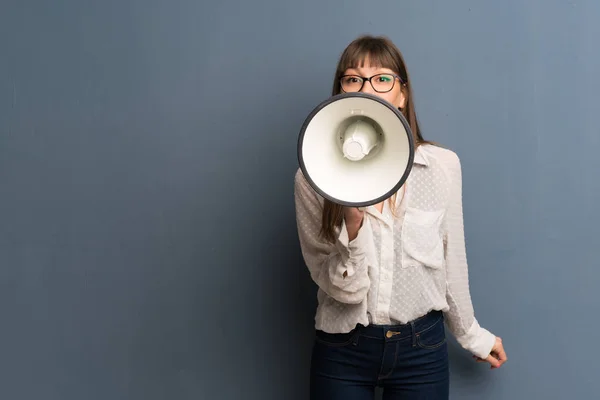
(371, 62)
(368, 69)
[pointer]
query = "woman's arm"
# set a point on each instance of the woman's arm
(340, 269)
(460, 317)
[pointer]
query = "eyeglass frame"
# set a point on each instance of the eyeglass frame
(368, 79)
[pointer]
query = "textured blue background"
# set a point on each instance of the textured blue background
(147, 151)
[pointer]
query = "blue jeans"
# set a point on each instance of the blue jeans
(408, 361)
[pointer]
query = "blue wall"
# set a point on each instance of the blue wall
(147, 150)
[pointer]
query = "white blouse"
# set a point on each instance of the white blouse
(399, 267)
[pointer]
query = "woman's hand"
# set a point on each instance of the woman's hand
(353, 217)
(497, 356)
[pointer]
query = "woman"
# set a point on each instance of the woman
(390, 276)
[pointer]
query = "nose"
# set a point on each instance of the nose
(367, 87)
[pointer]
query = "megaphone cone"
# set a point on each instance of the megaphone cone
(355, 149)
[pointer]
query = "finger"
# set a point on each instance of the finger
(493, 361)
(501, 355)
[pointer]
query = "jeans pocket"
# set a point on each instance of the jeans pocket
(336, 339)
(433, 336)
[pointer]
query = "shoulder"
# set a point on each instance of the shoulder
(303, 189)
(441, 155)
(444, 161)
(299, 177)
(300, 181)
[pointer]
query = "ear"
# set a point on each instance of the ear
(401, 99)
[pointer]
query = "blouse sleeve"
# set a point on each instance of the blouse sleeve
(340, 269)
(460, 317)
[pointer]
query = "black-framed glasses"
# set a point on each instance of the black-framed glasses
(381, 83)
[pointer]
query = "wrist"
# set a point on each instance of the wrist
(353, 229)
(354, 224)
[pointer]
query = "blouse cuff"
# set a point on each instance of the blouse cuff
(353, 251)
(357, 246)
(477, 340)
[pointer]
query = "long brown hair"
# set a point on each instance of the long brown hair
(382, 53)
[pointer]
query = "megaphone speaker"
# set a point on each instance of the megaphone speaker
(356, 149)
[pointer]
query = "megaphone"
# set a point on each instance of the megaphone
(355, 149)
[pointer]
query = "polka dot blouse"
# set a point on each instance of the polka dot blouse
(403, 263)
